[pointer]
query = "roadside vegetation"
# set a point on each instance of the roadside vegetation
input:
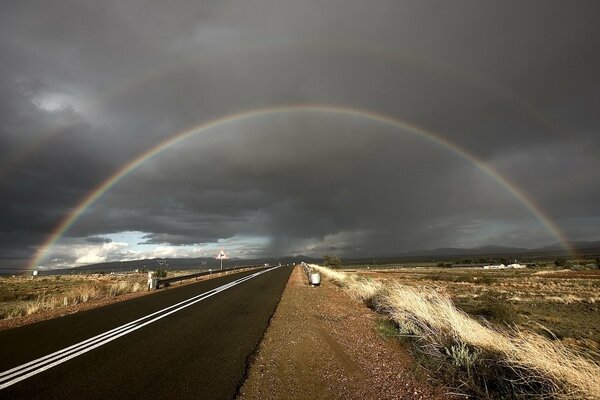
(557, 303)
(488, 351)
(20, 296)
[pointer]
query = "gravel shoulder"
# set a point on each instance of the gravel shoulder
(321, 344)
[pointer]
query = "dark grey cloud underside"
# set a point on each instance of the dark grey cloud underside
(514, 83)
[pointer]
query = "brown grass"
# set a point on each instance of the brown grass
(563, 372)
(25, 296)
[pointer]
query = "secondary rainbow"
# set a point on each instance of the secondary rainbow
(204, 127)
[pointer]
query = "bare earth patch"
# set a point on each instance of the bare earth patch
(323, 345)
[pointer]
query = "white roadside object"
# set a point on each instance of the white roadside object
(315, 279)
(152, 280)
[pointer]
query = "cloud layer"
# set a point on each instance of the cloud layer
(84, 88)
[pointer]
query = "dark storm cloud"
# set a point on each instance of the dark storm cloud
(308, 177)
(96, 83)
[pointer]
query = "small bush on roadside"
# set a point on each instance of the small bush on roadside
(160, 273)
(462, 356)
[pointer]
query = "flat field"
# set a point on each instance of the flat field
(560, 304)
(22, 296)
(29, 299)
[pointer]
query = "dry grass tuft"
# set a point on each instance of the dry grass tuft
(538, 362)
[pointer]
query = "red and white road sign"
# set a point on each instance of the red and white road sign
(222, 255)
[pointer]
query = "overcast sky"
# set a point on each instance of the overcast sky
(86, 86)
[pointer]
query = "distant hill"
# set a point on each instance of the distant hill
(579, 246)
(457, 251)
(583, 248)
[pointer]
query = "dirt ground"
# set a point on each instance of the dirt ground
(323, 345)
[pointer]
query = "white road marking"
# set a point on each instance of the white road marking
(27, 370)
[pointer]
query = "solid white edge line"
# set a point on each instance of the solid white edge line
(32, 364)
(123, 330)
(110, 339)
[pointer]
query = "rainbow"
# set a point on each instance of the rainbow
(204, 127)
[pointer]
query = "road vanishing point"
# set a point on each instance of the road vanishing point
(189, 342)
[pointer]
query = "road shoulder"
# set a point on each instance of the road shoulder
(323, 345)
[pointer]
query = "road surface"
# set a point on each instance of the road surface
(187, 342)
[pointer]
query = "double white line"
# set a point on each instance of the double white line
(22, 372)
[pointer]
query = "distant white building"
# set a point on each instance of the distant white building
(501, 266)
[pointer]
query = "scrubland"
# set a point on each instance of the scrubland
(563, 305)
(21, 296)
(24, 296)
(492, 334)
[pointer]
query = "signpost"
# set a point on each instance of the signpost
(221, 256)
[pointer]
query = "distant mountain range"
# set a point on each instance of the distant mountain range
(457, 251)
(579, 246)
(493, 250)
(440, 254)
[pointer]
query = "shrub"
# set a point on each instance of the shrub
(462, 356)
(332, 261)
(560, 262)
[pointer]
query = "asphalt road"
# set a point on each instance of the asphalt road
(196, 350)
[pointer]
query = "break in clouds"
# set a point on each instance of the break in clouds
(86, 87)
